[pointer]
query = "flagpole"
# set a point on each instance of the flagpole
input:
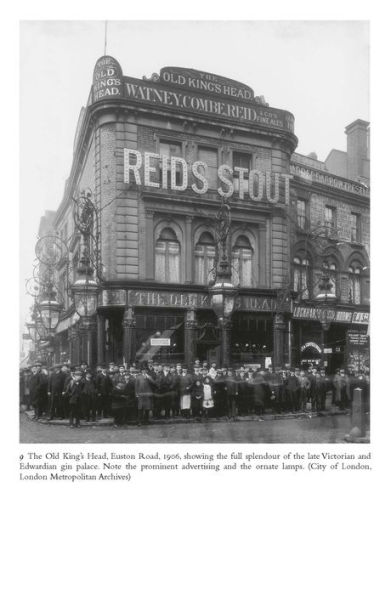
(105, 48)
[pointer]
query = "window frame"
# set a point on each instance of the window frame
(242, 260)
(301, 216)
(215, 149)
(207, 278)
(355, 280)
(357, 239)
(236, 174)
(174, 142)
(166, 253)
(303, 267)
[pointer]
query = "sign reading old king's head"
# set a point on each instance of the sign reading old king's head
(107, 81)
(187, 90)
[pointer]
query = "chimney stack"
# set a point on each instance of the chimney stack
(357, 150)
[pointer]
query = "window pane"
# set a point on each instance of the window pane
(296, 278)
(246, 267)
(199, 265)
(301, 213)
(354, 228)
(160, 260)
(235, 267)
(333, 281)
(241, 160)
(357, 291)
(171, 149)
(173, 262)
(304, 283)
(209, 156)
(330, 217)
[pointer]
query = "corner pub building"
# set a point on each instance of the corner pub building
(158, 155)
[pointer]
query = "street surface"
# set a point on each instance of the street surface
(326, 429)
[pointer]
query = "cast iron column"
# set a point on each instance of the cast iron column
(190, 337)
(279, 328)
(101, 338)
(226, 328)
(75, 345)
(87, 339)
(129, 326)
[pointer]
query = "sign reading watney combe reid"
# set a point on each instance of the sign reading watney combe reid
(144, 169)
(188, 90)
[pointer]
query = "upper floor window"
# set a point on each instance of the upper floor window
(204, 255)
(356, 228)
(241, 160)
(172, 149)
(355, 280)
(209, 156)
(301, 276)
(301, 213)
(330, 268)
(330, 218)
(242, 262)
(167, 257)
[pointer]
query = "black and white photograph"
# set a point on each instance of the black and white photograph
(194, 232)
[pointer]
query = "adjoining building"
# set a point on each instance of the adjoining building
(158, 157)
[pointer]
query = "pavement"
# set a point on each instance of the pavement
(329, 427)
(109, 421)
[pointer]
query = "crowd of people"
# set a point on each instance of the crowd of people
(135, 395)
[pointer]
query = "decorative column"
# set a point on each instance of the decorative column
(190, 336)
(101, 337)
(226, 331)
(74, 344)
(87, 327)
(262, 263)
(279, 329)
(129, 343)
(188, 250)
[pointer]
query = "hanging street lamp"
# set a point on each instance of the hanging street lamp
(49, 309)
(223, 292)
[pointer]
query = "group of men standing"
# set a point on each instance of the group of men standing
(157, 390)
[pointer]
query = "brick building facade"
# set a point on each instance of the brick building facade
(158, 155)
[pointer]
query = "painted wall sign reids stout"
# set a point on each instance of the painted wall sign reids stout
(143, 169)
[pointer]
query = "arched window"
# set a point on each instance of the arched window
(167, 257)
(330, 266)
(355, 272)
(204, 254)
(242, 262)
(301, 276)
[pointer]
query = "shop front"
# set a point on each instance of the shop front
(314, 343)
(136, 325)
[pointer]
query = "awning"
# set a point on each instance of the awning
(65, 324)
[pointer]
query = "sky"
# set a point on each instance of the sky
(318, 70)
